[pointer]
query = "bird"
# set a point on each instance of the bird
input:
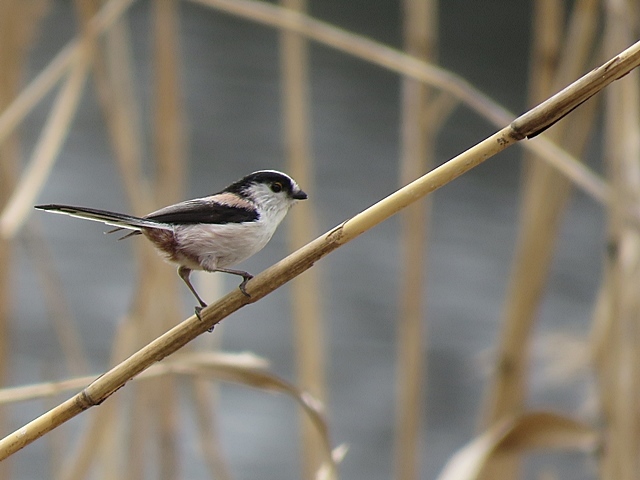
(209, 233)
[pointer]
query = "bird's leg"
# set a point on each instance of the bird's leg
(184, 273)
(245, 275)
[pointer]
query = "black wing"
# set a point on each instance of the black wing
(202, 211)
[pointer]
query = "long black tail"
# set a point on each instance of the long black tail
(119, 220)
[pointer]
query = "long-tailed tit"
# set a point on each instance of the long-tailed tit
(210, 233)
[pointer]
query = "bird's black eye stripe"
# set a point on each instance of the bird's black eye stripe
(276, 187)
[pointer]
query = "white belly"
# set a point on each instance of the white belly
(222, 246)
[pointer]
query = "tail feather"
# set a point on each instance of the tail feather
(119, 220)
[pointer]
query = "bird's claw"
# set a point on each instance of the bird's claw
(198, 310)
(246, 277)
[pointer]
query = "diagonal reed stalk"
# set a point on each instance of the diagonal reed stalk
(531, 123)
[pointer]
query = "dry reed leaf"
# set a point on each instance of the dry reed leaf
(236, 360)
(42, 390)
(243, 368)
(526, 432)
(260, 378)
(178, 362)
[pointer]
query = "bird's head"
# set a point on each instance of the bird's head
(268, 189)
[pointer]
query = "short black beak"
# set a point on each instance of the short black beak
(299, 195)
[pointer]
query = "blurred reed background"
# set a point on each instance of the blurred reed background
(525, 337)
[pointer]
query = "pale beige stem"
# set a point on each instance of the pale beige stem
(18, 21)
(619, 373)
(418, 133)
(306, 290)
(84, 452)
(169, 185)
(545, 195)
(205, 402)
(544, 198)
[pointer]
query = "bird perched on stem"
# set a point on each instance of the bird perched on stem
(210, 233)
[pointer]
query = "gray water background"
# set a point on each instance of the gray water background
(232, 94)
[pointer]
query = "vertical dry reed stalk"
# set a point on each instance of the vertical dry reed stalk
(18, 22)
(97, 444)
(114, 82)
(84, 454)
(211, 448)
(113, 86)
(418, 133)
(546, 43)
(305, 299)
(618, 366)
(544, 198)
(8, 177)
(169, 186)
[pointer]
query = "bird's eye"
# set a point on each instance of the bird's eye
(276, 187)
